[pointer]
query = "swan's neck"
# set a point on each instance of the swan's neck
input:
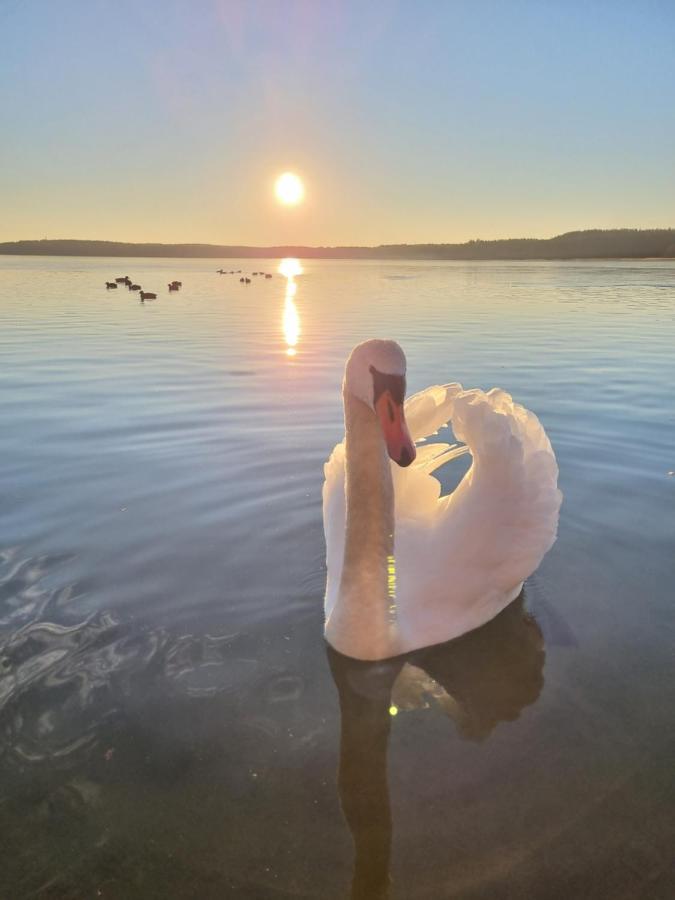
(361, 624)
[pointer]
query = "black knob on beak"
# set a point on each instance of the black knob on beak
(405, 458)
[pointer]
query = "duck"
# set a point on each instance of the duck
(408, 566)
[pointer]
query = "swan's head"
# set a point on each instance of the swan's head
(375, 374)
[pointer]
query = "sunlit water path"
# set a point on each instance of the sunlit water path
(169, 717)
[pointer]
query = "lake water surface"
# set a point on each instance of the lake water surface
(169, 717)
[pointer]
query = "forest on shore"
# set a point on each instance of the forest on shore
(620, 243)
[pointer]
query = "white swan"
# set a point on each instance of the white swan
(408, 567)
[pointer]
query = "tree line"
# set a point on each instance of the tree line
(618, 243)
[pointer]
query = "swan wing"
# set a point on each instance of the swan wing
(416, 490)
(511, 490)
(430, 409)
(462, 559)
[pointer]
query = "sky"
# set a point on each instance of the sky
(409, 122)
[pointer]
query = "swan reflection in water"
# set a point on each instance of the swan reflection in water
(480, 679)
(289, 268)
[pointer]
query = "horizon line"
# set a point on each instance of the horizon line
(315, 247)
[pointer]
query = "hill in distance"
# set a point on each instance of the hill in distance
(622, 243)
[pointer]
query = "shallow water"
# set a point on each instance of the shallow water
(169, 716)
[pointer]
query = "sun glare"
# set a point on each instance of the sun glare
(289, 189)
(289, 268)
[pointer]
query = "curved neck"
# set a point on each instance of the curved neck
(362, 626)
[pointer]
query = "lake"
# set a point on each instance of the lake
(169, 714)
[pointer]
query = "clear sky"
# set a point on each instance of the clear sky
(168, 120)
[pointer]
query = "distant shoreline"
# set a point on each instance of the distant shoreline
(623, 243)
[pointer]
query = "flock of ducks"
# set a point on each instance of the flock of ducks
(145, 295)
(174, 285)
(244, 279)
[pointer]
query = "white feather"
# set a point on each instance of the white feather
(460, 558)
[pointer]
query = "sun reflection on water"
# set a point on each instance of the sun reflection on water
(289, 268)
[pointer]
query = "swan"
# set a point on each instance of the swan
(406, 566)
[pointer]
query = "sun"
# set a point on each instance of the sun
(289, 189)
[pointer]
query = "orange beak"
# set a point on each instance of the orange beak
(400, 445)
